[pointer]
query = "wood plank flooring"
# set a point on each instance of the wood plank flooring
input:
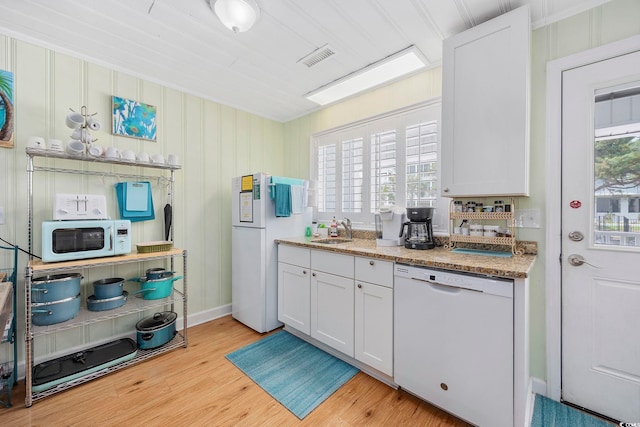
(198, 386)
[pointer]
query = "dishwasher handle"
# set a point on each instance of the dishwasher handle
(444, 287)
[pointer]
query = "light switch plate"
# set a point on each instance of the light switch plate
(1, 215)
(528, 218)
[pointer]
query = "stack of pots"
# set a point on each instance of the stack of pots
(107, 294)
(156, 284)
(55, 298)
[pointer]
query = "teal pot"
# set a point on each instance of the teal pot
(108, 288)
(94, 304)
(157, 330)
(156, 288)
(50, 313)
(55, 287)
(157, 273)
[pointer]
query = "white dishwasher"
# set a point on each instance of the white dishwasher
(453, 342)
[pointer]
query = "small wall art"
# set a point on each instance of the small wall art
(134, 119)
(6, 109)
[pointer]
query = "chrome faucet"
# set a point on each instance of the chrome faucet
(347, 226)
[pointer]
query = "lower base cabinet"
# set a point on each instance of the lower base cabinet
(342, 301)
(332, 311)
(294, 293)
(374, 326)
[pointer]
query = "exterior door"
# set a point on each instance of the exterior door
(601, 237)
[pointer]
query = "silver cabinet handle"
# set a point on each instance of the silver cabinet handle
(359, 285)
(313, 274)
(446, 190)
(304, 271)
(371, 263)
(578, 260)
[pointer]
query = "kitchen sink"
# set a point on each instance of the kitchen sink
(332, 240)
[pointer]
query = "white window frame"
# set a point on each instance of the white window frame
(399, 120)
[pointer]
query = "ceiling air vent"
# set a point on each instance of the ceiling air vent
(317, 56)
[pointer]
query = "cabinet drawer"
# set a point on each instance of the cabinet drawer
(294, 255)
(374, 271)
(329, 262)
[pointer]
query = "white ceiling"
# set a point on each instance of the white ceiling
(181, 43)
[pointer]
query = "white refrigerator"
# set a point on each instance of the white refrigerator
(254, 254)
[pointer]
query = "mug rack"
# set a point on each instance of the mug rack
(506, 217)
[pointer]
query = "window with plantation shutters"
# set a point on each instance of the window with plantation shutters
(388, 160)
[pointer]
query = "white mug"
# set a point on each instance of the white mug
(56, 145)
(74, 120)
(95, 150)
(37, 142)
(93, 123)
(128, 155)
(112, 153)
(172, 159)
(75, 147)
(157, 158)
(143, 157)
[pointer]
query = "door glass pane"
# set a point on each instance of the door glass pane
(617, 167)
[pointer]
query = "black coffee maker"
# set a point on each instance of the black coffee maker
(418, 231)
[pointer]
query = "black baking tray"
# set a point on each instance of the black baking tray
(79, 364)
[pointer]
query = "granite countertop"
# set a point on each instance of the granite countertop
(513, 267)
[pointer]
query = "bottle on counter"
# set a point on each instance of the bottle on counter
(333, 229)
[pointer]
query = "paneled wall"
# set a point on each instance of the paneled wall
(610, 22)
(213, 143)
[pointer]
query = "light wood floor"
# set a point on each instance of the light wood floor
(197, 386)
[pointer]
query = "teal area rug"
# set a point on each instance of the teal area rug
(295, 373)
(549, 413)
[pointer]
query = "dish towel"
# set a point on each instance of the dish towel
(282, 180)
(297, 199)
(283, 200)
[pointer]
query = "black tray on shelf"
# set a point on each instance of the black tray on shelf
(68, 368)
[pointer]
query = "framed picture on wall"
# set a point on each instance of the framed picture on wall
(134, 119)
(6, 109)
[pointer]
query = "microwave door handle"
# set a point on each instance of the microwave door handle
(110, 238)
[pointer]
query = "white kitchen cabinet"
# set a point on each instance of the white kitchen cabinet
(332, 310)
(374, 313)
(294, 287)
(485, 108)
(332, 302)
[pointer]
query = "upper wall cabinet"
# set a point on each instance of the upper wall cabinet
(485, 108)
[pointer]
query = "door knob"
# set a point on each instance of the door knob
(578, 260)
(576, 236)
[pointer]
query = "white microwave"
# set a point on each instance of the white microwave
(71, 240)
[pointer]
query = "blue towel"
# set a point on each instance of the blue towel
(283, 199)
(282, 180)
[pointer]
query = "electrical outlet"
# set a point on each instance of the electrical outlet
(528, 218)
(1, 215)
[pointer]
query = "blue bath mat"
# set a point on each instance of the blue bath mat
(549, 413)
(295, 373)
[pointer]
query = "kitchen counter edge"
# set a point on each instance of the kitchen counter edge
(515, 267)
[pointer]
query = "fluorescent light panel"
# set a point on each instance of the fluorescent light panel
(390, 68)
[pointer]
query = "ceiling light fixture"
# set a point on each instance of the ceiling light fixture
(392, 67)
(237, 15)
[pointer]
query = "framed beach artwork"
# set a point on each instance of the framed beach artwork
(6, 109)
(134, 119)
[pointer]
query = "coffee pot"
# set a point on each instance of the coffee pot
(418, 231)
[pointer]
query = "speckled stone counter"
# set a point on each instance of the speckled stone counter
(511, 267)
